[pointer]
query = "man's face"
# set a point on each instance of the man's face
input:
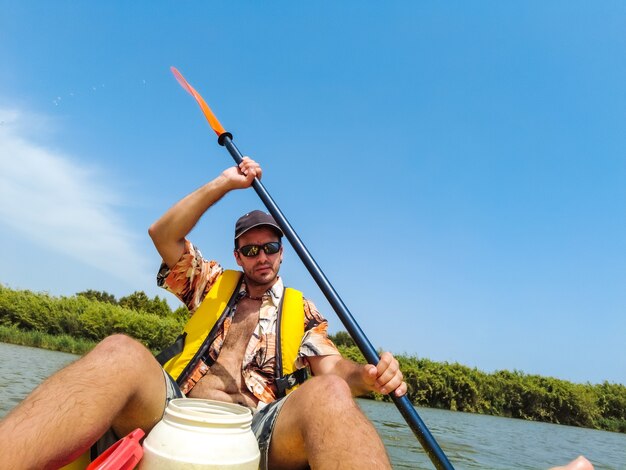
(262, 269)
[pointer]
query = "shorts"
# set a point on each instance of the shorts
(109, 438)
(263, 422)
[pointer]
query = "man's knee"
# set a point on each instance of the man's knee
(119, 343)
(330, 392)
(123, 350)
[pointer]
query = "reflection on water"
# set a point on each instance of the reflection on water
(469, 441)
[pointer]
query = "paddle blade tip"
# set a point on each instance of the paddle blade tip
(213, 122)
(181, 80)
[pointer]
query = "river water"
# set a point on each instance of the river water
(470, 441)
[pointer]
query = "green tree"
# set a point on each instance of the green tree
(182, 314)
(159, 306)
(342, 338)
(140, 302)
(100, 296)
(137, 301)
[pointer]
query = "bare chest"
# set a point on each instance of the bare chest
(224, 380)
(241, 330)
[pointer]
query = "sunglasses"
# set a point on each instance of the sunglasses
(253, 250)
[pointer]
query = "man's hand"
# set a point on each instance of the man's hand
(385, 377)
(241, 176)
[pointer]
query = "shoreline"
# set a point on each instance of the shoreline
(80, 346)
(37, 339)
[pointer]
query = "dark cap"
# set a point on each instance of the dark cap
(255, 219)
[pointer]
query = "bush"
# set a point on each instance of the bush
(82, 317)
(511, 394)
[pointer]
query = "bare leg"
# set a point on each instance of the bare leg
(581, 463)
(320, 425)
(117, 384)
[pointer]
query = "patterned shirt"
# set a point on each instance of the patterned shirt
(190, 280)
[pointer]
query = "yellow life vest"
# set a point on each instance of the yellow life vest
(201, 329)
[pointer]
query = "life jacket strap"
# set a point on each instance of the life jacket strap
(172, 350)
(291, 380)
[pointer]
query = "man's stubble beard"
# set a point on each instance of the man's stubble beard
(253, 280)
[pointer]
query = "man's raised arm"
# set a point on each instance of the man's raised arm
(169, 232)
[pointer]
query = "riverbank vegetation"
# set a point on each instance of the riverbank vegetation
(92, 316)
(37, 339)
(75, 324)
(504, 393)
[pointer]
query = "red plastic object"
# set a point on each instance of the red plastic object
(125, 454)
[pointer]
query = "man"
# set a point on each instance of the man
(119, 385)
(319, 424)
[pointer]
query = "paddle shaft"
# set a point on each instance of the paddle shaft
(405, 407)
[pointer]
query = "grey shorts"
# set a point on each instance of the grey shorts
(263, 422)
(109, 438)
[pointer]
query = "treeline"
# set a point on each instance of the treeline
(92, 316)
(137, 301)
(76, 323)
(503, 393)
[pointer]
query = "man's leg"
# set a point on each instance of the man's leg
(119, 384)
(581, 463)
(321, 425)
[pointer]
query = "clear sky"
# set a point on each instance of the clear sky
(457, 169)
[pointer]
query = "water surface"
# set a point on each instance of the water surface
(472, 441)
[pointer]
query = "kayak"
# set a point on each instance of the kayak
(125, 454)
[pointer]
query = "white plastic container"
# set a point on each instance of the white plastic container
(202, 434)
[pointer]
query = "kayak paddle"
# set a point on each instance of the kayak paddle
(405, 407)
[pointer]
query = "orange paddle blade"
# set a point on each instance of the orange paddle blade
(213, 122)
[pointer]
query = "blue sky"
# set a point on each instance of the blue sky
(457, 170)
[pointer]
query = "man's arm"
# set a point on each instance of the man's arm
(169, 232)
(385, 377)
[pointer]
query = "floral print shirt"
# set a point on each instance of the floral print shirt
(190, 280)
